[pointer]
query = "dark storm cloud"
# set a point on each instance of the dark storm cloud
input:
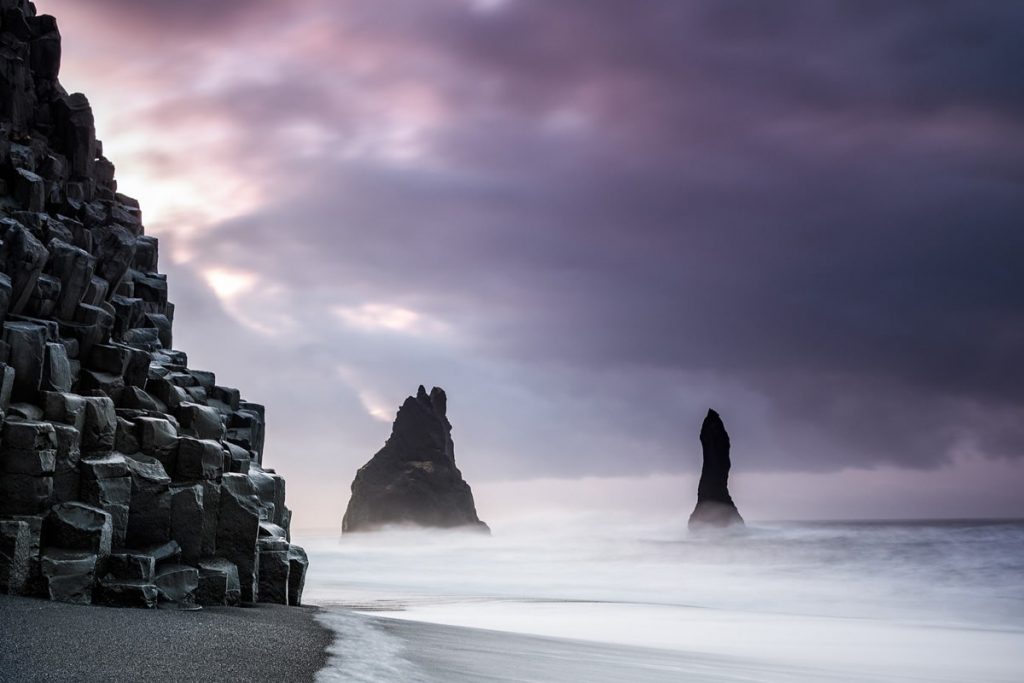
(818, 201)
(806, 213)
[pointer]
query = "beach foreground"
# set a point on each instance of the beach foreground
(45, 641)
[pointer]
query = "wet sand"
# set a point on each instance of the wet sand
(45, 641)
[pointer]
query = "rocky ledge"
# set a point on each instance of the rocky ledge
(126, 478)
(714, 504)
(413, 480)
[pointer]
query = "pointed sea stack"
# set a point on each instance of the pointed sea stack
(413, 479)
(714, 504)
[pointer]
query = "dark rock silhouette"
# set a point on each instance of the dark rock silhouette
(413, 479)
(127, 478)
(714, 504)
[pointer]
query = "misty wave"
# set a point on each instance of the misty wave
(939, 601)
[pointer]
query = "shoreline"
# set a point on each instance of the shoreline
(373, 647)
(378, 648)
(48, 641)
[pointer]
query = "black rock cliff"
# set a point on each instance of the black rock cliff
(126, 478)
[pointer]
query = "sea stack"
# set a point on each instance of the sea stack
(127, 477)
(413, 480)
(714, 504)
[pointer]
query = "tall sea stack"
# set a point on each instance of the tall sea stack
(126, 477)
(413, 480)
(714, 504)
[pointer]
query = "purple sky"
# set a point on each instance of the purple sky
(590, 220)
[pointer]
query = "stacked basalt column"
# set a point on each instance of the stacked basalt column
(126, 478)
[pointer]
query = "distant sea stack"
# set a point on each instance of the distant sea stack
(714, 504)
(127, 478)
(413, 479)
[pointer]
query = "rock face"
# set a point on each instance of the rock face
(714, 504)
(113, 452)
(413, 479)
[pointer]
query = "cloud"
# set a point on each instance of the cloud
(590, 220)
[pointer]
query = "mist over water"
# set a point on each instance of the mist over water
(647, 601)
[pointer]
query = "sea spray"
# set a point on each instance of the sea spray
(884, 601)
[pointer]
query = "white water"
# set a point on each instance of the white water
(594, 601)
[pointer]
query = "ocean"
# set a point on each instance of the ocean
(596, 601)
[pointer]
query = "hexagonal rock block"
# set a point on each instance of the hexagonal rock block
(236, 459)
(149, 514)
(93, 381)
(77, 526)
(104, 483)
(218, 583)
(66, 477)
(29, 190)
(74, 116)
(43, 299)
(273, 570)
(106, 467)
(125, 441)
(237, 530)
(27, 343)
(136, 373)
(136, 398)
(169, 394)
(100, 427)
(56, 368)
(65, 408)
(204, 378)
(177, 585)
(74, 266)
(15, 551)
(187, 521)
(112, 592)
(29, 436)
(69, 450)
(199, 459)
(131, 566)
(25, 257)
(225, 399)
(115, 250)
(158, 439)
(201, 422)
(68, 575)
(271, 491)
(297, 574)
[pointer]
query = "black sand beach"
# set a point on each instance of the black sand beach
(44, 641)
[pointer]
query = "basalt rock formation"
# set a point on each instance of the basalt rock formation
(413, 480)
(714, 504)
(126, 478)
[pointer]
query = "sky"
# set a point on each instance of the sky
(590, 221)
